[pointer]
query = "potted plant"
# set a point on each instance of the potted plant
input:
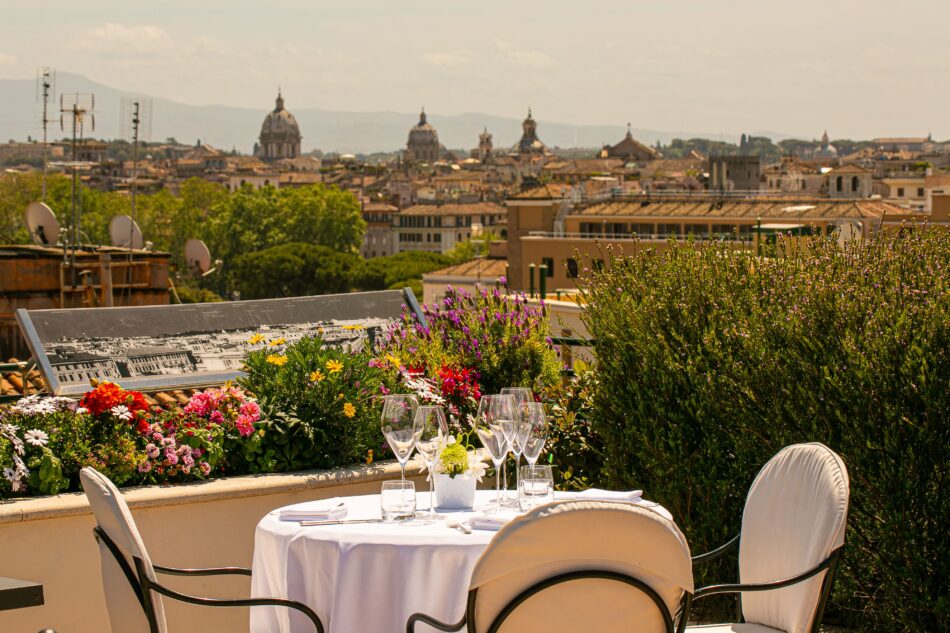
(455, 475)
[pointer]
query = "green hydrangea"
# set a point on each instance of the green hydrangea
(454, 460)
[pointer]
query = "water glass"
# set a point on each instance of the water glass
(535, 487)
(397, 500)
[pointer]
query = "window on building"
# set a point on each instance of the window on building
(699, 230)
(598, 264)
(839, 184)
(900, 192)
(920, 192)
(855, 184)
(571, 268)
(549, 262)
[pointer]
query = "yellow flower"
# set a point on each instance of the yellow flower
(257, 338)
(277, 341)
(393, 359)
(349, 410)
(352, 327)
(277, 359)
(316, 376)
(369, 456)
(334, 366)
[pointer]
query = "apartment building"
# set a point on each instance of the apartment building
(439, 227)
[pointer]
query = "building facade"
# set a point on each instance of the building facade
(735, 173)
(439, 228)
(378, 241)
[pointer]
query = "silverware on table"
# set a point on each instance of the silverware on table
(338, 522)
(452, 523)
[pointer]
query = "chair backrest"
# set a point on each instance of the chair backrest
(576, 536)
(126, 613)
(794, 519)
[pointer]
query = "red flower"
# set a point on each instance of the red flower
(101, 399)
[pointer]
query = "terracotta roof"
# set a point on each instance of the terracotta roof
(544, 192)
(772, 208)
(475, 268)
(380, 207)
(849, 169)
(474, 208)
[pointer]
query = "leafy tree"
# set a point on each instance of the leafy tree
(397, 270)
(292, 270)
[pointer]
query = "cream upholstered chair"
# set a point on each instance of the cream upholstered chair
(133, 593)
(792, 534)
(579, 566)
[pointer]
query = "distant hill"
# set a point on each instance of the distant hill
(331, 131)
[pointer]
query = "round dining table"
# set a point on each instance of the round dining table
(367, 577)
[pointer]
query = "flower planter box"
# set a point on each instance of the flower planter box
(49, 540)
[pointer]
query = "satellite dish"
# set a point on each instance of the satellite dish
(42, 224)
(197, 256)
(125, 233)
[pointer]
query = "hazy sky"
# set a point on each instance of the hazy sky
(858, 68)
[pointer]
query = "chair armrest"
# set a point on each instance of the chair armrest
(151, 585)
(442, 626)
(209, 571)
(719, 552)
(712, 590)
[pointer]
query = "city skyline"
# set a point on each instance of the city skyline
(797, 69)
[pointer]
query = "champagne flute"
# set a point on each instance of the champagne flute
(398, 425)
(493, 413)
(521, 395)
(432, 439)
(536, 430)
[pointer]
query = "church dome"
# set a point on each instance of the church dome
(280, 134)
(423, 144)
(422, 133)
(280, 121)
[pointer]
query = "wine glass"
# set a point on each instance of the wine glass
(432, 439)
(398, 425)
(536, 430)
(522, 395)
(494, 413)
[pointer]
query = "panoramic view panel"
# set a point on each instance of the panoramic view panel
(526, 317)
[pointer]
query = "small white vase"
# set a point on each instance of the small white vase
(454, 493)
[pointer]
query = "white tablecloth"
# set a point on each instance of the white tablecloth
(365, 577)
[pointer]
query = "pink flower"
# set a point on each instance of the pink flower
(251, 410)
(188, 461)
(168, 442)
(199, 404)
(205, 468)
(145, 466)
(152, 451)
(244, 425)
(171, 457)
(217, 417)
(186, 469)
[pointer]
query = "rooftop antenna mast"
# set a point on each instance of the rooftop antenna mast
(45, 93)
(76, 114)
(136, 113)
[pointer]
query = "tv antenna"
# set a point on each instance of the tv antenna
(45, 94)
(136, 125)
(125, 233)
(76, 115)
(198, 258)
(42, 224)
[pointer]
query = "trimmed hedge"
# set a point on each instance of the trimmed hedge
(710, 361)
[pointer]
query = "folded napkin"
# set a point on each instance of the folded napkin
(596, 494)
(491, 522)
(324, 510)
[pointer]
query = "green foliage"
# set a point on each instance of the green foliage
(396, 271)
(292, 270)
(573, 447)
(321, 406)
(192, 294)
(710, 361)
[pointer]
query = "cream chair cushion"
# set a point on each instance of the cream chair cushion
(731, 628)
(582, 535)
(794, 517)
(113, 517)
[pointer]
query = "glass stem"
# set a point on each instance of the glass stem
(402, 467)
(498, 484)
(517, 474)
(431, 483)
(504, 473)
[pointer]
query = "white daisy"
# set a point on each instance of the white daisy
(36, 437)
(122, 412)
(9, 474)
